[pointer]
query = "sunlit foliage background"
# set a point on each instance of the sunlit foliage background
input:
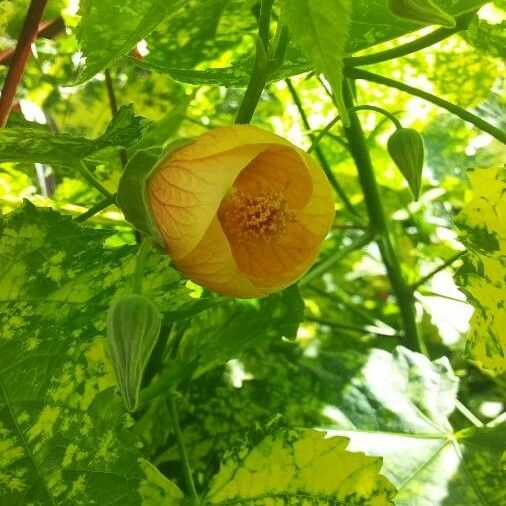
(349, 308)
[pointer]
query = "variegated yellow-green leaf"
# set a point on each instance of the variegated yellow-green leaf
(65, 437)
(483, 276)
(321, 28)
(296, 467)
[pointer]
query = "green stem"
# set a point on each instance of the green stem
(380, 110)
(93, 181)
(454, 109)
(379, 225)
(411, 47)
(100, 206)
(431, 274)
(468, 414)
(113, 105)
(332, 122)
(140, 265)
(187, 472)
(343, 298)
(267, 60)
(326, 264)
(319, 153)
(322, 133)
(264, 20)
(354, 328)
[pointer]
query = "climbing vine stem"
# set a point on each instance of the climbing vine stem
(463, 114)
(379, 225)
(185, 462)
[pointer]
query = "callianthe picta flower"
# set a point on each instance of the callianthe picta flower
(241, 211)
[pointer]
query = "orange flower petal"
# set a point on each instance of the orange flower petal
(212, 265)
(278, 169)
(185, 195)
(223, 139)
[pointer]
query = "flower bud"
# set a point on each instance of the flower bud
(423, 11)
(405, 146)
(241, 211)
(133, 325)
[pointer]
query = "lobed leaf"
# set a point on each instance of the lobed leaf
(398, 408)
(321, 27)
(35, 144)
(371, 24)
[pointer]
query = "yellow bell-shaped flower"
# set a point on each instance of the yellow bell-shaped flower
(241, 211)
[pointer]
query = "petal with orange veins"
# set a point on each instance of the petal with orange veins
(185, 196)
(280, 262)
(228, 138)
(279, 169)
(318, 214)
(212, 265)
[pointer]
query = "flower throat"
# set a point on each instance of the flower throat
(259, 217)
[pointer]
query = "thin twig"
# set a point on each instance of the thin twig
(100, 206)
(462, 22)
(440, 268)
(20, 57)
(187, 472)
(113, 104)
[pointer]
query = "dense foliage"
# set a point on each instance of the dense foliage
(377, 379)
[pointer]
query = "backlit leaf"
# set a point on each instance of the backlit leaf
(483, 276)
(36, 144)
(109, 30)
(371, 24)
(398, 407)
(321, 27)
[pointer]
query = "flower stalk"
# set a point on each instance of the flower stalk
(379, 225)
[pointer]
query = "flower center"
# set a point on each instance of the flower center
(259, 217)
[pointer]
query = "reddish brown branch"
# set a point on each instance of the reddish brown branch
(21, 53)
(47, 30)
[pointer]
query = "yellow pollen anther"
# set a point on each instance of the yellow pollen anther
(255, 217)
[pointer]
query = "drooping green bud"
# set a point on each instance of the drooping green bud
(423, 11)
(133, 325)
(405, 146)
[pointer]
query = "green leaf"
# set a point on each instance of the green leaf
(371, 24)
(321, 27)
(37, 145)
(300, 467)
(65, 437)
(398, 408)
(226, 331)
(483, 276)
(109, 30)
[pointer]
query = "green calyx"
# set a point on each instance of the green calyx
(406, 148)
(133, 327)
(133, 198)
(423, 11)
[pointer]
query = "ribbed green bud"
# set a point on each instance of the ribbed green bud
(405, 146)
(423, 11)
(133, 326)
